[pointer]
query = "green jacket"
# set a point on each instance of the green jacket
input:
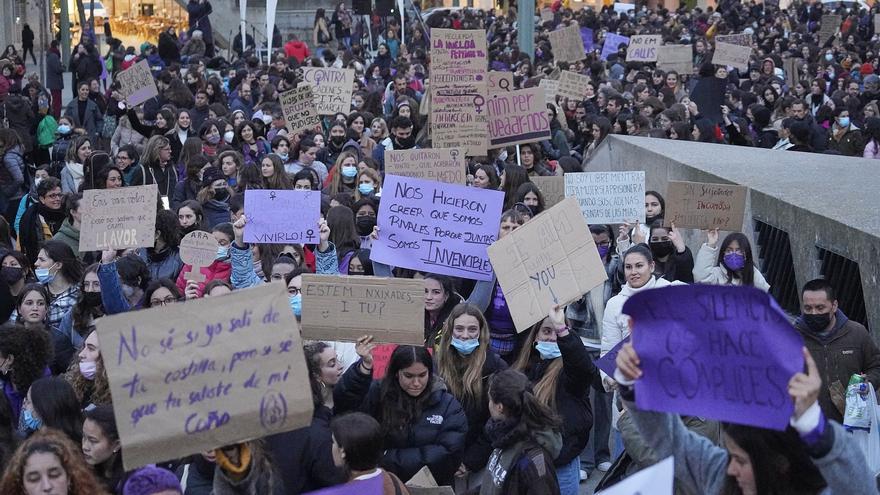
(46, 132)
(70, 236)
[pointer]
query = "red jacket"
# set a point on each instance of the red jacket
(217, 270)
(296, 49)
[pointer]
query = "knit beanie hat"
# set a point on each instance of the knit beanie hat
(150, 480)
(210, 174)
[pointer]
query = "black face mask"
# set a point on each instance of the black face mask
(91, 299)
(337, 140)
(221, 194)
(817, 323)
(661, 249)
(11, 274)
(365, 225)
(404, 143)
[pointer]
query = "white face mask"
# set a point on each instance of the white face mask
(228, 136)
(37, 181)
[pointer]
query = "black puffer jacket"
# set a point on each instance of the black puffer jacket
(303, 457)
(477, 446)
(436, 440)
(572, 393)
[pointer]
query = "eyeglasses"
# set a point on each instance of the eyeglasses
(293, 291)
(163, 302)
(54, 195)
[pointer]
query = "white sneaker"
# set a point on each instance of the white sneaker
(584, 475)
(604, 466)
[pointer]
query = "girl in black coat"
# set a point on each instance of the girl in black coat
(423, 424)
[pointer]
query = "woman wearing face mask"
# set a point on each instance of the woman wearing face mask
(424, 424)
(629, 233)
(51, 403)
(214, 197)
(731, 264)
(365, 210)
(102, 448)
(273, 173)
(844, 136)
(87, 375)
(672, 259)
(220, 268)
(529, 195)
(24, 358)
(336, 139)
(369, 184)
(343, 175)
(561, 372)
(15, 271)
(281, 147)
(63, 137)
(80, 320)
(212, 138)
(48, 462)
(466, 362)
(58, 269)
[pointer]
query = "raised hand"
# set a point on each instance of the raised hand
(804, 387)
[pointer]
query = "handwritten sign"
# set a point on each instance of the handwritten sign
(705, 206)
(500, 81)
(656, 480)
(678, 58)
(643, 48)
(518, 117)
(608, 197)
(137, 84)
(282, 216)
(459, 89)
(732, 55)
(118, 218)
(331, 88)
(552, 259)
(436, 227)
(370, 486)
(829, 26)
(877, 23)
(573, 85)
(612, 43)
(300, 112)
(198, 249)
(345, 308)
(719, 351)
(741, 39)
(440, 164)
(551, 88)
(552, 188)
(546, 14)
(422, 490)
(198, 375)
(567, 44)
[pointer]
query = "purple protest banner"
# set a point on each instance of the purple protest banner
(717, 351)
(371, 486)
(612, 42)
(282, 216)
(608, 362)
(437, 227)
(587, 38)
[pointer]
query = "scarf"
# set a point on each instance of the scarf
(76, 170)
(31, 232)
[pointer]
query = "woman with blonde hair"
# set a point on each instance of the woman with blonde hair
(466, 361)
(369, 184)
(343, 176)
(125, 134)
(273, 173)
(49, 459)
(378, 129)
(558, 365)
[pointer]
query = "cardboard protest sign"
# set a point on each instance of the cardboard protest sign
(608, 197)
(436, 227)
(573, 85)
(500, 81)
(733, 55)
(422, 479)
(705, 206)
(345, 308)
(546, 14)
(790, 67)
(877, 23)
(675, 57)
(612, 43)
(120, 218)
(369, 486)
(551, 88)
(552, 259)
(587, 39)
(643, 48)
(331, 88)
(440, 164)
(198, 249)
(552, 188)
(194, 376)
(282, 216)
(439, 490)
(566, 44)
(459, 89)
(741, 39)
(656, 480)
(136, 84)
(300, 112)
(518, 117)
(724, 352)
(829, 26)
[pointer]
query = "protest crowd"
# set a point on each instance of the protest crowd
(177, 177)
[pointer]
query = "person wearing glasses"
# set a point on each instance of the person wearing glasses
(43, 219)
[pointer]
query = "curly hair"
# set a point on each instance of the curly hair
(313, 351)
(32, 353)
(50, 441)
(95, 391)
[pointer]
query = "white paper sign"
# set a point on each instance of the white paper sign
(656, 480)
(608, 197)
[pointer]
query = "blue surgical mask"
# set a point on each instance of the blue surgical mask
(366, 188)
(30, 422)
(548, 350)
(64, 129)
(465, 347)
(829, 56)
(283, 156)
(296, 304)
(222, 252)
(43, 275)
(349, 171)
(844, 121)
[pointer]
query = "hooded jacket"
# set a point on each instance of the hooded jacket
(70, 236)
(847, 349)
(296, 49)
(435, 440)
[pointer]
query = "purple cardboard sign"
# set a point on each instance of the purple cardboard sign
(437, 227)
(282, 216)
(587, 38)
(612, 41)
(608, 362)
(371, 486)
(717, 351)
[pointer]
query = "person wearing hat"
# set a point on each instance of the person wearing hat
(152, 480)
(214, 196)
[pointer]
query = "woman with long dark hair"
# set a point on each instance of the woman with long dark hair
(357, 449)
(52, 403)
(102, 448)
(730, 264)
(422, 423)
